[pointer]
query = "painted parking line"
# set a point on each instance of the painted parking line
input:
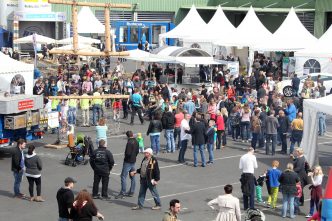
(194, 191)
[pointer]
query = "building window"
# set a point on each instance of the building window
(311, 66)
(134, 34)
(156, 31)
(17, 85)
(123, 34)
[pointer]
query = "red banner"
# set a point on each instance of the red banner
(25, 105)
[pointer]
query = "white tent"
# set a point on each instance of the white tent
(81, 48)
(87, 23)
(218, 28)
(321, 49)
(190, 26)
(309, 140)
(11, 68)
(290, 36)
(140, 55)
(39, 40)
(250, 33)
(81, 40)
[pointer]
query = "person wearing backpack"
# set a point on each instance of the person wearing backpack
(234, 119)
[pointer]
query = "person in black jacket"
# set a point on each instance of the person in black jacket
(150, 176)
(102, 163)
(284, 126)
(168, 122)
(154, 130)
(198, 131)
(18, 166)
(130, 154)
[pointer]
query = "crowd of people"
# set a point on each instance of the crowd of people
(244, 109)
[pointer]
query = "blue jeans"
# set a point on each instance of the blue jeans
(245, 127)
(177, 132)
(155, 143)
(271, 138)
(254, 140)
(170, 140)
(182, 152)
(17, 182)
(210, 150)
(201, 150)
(72, 115)
(287, 199)
(145, 185)
(296, 205)
(126, 168)
(261, 139)
(96, 113)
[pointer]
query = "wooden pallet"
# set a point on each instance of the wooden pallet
(53, 146)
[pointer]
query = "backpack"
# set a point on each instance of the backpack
(254, 215)
(235, 120)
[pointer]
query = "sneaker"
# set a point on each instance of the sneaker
(268, 205)
(308, 216)
(156, 208)
(136, 207)
(120, 196)
(96, 196)
(130, 194)
(105, 198)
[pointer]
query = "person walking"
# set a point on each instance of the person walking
(229, 205)
(65, 199)
(168, 122)
(273, 175)
(18, 166)
(83, 208)
(136, 106)
(248, 164)
(149, 178)
(130, 155)
(210, 134)
(33, 168)
(198, 132)
(288, 180)
(185, 137)
(174, 210)
(102, 163)
(96, 107)
(220, 125)
(271, 125)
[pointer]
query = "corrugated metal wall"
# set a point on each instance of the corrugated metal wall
(322, 7)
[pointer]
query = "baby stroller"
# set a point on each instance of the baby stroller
(79, 150)
(254, 215)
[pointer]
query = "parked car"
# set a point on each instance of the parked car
(325, 77)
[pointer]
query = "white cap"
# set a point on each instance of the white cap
(148, 150)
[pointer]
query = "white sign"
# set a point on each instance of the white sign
(53, 119)
(234, 68)
(38, 6)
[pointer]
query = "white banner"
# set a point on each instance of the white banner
(53, 119)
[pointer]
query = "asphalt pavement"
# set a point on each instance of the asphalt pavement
(194, 187)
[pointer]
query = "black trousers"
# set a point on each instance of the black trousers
(104, 184)
(32, 181)
(134, 110)
(283, 138)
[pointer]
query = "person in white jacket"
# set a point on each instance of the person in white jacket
(229, 206)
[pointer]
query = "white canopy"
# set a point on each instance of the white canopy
(81, 40)
(309, 140)
(87, 22)
(140, 55)
(218, 28)
(190, 26)
(290, 36)
(249, 33)
(321, 49)
(10, 68)
(39, 40)
(81, 48)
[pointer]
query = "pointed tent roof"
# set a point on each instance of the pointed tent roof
(190, 26)
(322, 48)
(249, 33)
(39, 40)
(217, 28)
(81, 40)
(87, 22)
(290, 36)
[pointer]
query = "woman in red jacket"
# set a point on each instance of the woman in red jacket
(220, 125)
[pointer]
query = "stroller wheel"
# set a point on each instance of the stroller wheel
(74, 164)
